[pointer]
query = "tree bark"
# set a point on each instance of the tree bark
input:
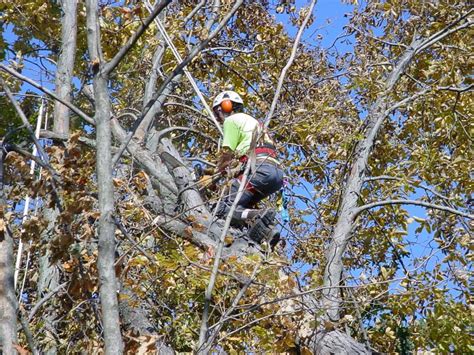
(106, 258)
(349, 202)
(48, 278)
(8, 323)
(348, 208)
(65, 67)
(8, 303)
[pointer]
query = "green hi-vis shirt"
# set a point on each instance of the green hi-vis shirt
(238, 131)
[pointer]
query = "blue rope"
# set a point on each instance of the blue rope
(285, 216)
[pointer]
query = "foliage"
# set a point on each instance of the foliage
(406, 276)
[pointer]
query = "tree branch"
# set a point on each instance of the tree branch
(218, 326)
(405, 101)
(365, 34)
(445, 32)
(165, 131)
(194, 11)
(456, 89)
(25, 121)
(112, 64)
(424, 187)
(33, 83)
(194, 52)
(44, 300)
(361, 209)
(215, 268)
(289, 63)
(40, 162)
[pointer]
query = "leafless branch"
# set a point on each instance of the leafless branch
(28, 334)
(457, 89)
(194, 11)
(406, 101)
(201, 160)
(361, 209)
(188, 129)
(27, 124)
(38, 161)
(215, 267)
(185, 106)
(365, 34)
(413, 183)
(289, 63)
(218, 326)
(44, 300)
(446, 31)
(230, 49)
(33, 83)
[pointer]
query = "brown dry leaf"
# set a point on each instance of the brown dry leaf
(191, 218)
(199, 227)
(21, 350)
(147, 346)
(188, 231)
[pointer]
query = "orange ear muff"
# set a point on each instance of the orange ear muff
(226, 106)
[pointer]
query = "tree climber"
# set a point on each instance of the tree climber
(267, 177)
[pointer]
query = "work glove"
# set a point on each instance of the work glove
(207, 182)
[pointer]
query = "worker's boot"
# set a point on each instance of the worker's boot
(263, 228)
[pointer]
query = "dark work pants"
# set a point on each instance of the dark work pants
(266, 180)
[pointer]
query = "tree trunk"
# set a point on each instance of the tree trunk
(49, 274)
(8, 303)
(8, 324)
(106, 258)
(347, 216)
(48, 279)
(65, 67)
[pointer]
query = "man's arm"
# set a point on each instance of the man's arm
(225, 159)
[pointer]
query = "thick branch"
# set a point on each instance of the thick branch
(456, 89)
(348, 207)
(405, 101)
(194, 52)
(446, 31)
(65, 67)
(8, 302)
(108, 284)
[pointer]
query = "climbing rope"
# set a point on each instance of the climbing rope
(178, 57)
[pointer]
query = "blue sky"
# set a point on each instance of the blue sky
(328, 25)
(328, 22)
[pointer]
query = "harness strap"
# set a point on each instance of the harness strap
(262, 153)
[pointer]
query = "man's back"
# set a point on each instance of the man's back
(238, 132)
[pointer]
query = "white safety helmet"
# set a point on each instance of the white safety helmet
(225, 100)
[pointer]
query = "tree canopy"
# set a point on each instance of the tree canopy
(117, 248)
